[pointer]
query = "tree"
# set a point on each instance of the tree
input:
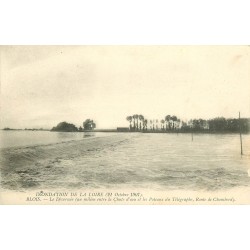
(178, 123)
(134, 119)
(89, 124)
(156, 126)
(141, 118)
(65, 127)
(162, 124)
(137, 118)
(145, 124)
(168, 119)
(174, 120)
(218, 124)
(151, 122)
(129, 119)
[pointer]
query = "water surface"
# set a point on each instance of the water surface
(46, 160)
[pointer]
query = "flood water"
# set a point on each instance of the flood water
(45, 160)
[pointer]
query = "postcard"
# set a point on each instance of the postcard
(127, 125)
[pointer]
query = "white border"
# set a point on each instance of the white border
(124, 22)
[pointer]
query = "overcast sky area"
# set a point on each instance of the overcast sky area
(44, 85)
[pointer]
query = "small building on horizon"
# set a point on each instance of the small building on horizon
(122, 129)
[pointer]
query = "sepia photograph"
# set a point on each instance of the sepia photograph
(125, 125)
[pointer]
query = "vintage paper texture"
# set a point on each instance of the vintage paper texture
(142, 125)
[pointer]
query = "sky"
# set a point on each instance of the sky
(44, 85)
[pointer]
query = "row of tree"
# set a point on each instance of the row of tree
(173, 123)
(139, 123)
(69, 127)
(221, 124)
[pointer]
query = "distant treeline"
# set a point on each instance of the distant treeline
(219, 124)
(173, 123)
(137, 123)
(29, 129)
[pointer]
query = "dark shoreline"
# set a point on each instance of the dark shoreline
(153, 132)
(146, 132)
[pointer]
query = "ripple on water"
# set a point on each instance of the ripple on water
(155, 161)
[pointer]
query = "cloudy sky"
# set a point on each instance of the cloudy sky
(44, 85)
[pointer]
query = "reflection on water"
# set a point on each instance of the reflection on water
(129, 160)
(88, 134)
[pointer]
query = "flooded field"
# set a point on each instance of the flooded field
(44, 160)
